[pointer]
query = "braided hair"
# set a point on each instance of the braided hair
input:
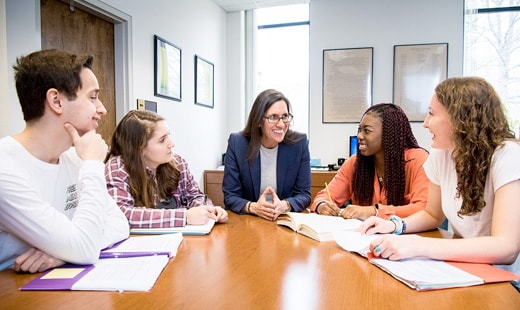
(397, 136)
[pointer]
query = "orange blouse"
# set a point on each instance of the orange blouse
(415, 194)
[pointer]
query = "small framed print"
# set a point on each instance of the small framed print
(204, 82)
(167, 62)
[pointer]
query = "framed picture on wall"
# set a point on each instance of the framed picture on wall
(418, 68)
(204, 82)
(167, 61)
(347, 84)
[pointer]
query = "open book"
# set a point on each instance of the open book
(315, 226)
(422, 273)
(193, 230)
(132, 265)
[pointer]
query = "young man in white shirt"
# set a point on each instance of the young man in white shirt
(54, 205)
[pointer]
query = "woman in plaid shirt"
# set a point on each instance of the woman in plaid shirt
(152, 185)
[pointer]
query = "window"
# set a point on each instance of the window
(492, 49)
(281, 57)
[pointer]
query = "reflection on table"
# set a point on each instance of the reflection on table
(251, 263)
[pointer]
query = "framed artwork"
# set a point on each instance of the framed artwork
(204, 82)
(167, 62)
(418, 68)
(347, 84)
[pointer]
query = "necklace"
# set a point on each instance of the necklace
(380, 179)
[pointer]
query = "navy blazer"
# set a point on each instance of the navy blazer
(242, 182)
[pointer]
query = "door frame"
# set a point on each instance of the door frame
(122, 49)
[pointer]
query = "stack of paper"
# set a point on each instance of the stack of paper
(421, 273)
(193, 230)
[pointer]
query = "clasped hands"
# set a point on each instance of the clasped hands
(267, 209)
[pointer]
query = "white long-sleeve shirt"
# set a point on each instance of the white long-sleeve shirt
(62, 209)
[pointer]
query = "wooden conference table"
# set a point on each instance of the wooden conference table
(250, 263)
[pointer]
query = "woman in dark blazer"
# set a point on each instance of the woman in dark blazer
(267, 165)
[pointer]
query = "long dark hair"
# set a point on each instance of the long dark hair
(397, 136)
(128, 141)
(253, 129)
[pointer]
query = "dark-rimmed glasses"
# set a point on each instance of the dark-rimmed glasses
(273, 119)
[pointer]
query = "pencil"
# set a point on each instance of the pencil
(328, 191)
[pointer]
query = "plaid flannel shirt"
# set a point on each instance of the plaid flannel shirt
(187, 195)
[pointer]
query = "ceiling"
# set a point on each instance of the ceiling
(240, 5)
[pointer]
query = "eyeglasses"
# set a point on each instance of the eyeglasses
(273, 119)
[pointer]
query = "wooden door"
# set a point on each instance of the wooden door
(77, 31)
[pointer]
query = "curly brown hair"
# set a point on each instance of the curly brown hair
(397, 136)
(479, 127)
(128, 141)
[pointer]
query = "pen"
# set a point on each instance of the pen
(330, 197)
(328, 191)
(130, 254)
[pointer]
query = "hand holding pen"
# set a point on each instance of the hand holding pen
(221, 215)
(328, 207)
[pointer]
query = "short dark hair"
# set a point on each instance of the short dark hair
(40, 71)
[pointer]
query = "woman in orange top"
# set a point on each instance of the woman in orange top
(385, 177)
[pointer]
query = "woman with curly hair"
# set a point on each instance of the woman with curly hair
(152, 185)
(474, 183)
(385, 177)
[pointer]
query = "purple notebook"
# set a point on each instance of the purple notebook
(132, 264)
(46, 281)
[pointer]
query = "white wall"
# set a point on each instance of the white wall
(201, 27)
(22, 35)
(380, 24)
(196, 26)
(4, 76)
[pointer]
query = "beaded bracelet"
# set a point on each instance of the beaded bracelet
(400, 225)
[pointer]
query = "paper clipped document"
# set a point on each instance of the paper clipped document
(315, 226)
(133, 264)
(193, 230)
(422, 273)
